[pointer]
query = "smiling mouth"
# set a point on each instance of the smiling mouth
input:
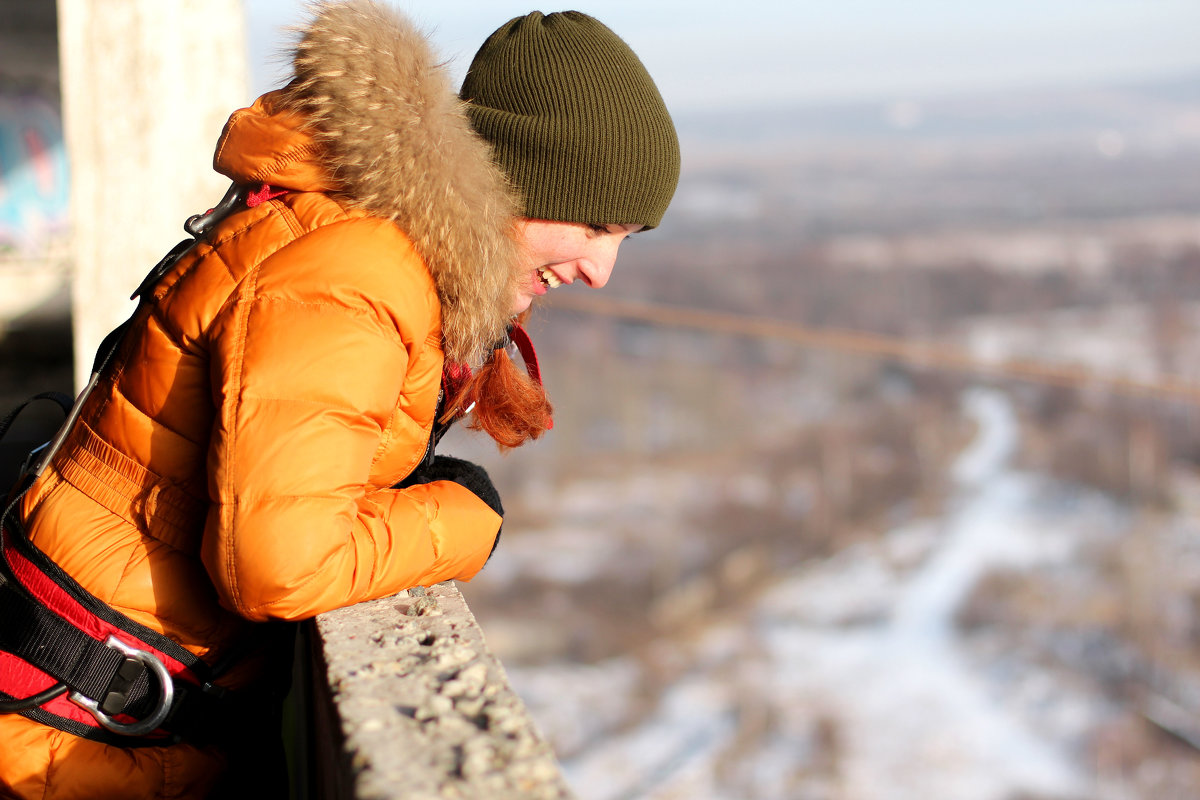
(548, 278)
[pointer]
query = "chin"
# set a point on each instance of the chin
(522, 303)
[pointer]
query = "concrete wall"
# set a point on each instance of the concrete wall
(146, 88)
(408, 703)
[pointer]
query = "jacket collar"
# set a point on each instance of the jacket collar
(370, 116)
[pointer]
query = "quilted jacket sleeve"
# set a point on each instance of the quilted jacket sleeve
(310, 361)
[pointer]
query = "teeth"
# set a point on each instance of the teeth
(549, 278)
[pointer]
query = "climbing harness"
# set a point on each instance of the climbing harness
(69, 660)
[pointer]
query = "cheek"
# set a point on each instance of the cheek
(560, 254)
(547, 246)
(541, 253)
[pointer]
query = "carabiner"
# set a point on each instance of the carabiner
(151, 723)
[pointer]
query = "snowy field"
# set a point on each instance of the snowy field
(848, 678)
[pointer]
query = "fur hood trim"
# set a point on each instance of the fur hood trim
(398, 145)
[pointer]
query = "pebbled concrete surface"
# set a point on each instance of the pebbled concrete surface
(426, 710)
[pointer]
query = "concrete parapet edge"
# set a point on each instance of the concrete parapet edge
(425, 710)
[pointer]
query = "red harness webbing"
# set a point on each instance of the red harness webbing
(126, 682)
(73, 662)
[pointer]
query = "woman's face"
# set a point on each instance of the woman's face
(557, 253)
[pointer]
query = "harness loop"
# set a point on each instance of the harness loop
(117, 694)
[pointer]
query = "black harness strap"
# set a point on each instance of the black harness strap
(132, 696)
(58, 648)
(64, 401)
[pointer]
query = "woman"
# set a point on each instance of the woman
(257, 450)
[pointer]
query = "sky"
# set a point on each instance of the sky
(754, 53)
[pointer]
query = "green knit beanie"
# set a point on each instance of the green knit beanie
(574, 120)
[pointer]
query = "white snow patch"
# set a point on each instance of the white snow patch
(908, 717)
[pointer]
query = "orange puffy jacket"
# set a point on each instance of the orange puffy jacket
(234, 465)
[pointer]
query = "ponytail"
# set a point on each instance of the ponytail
(509, 404)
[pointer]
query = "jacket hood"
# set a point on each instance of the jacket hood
(370, 116)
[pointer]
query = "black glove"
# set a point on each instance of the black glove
(466, 474)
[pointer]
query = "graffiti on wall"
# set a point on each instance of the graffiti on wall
(33, 170)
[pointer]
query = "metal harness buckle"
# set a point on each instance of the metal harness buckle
(142, 727)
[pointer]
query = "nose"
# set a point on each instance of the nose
(597, 269)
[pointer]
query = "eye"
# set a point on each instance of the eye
(597, 230)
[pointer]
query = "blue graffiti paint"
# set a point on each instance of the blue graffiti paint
(33, 170)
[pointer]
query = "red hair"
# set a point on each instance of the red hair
(509, 405)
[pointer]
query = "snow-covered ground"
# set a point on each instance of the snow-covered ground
(848, 679)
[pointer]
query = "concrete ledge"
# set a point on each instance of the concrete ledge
(420, 708)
